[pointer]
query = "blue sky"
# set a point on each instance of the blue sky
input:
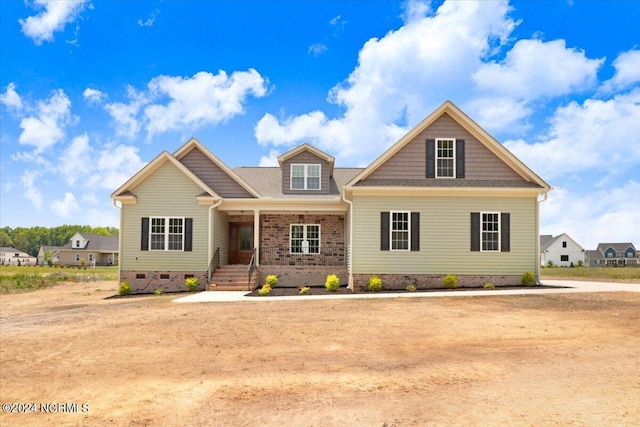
(90, 91)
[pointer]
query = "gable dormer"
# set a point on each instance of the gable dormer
(78, 241)
(306, 171)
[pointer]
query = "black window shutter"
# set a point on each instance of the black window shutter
(384, 231)
(188, 234)
(415, 231)
(431, 158)
(144, 238)
(459, 158)
(505, 232)
(475, 231)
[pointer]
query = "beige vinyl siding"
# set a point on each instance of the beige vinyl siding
(221, 235)
(212, 175)
(305, 157)
(410, 161)
(445, 236)
(167, 192)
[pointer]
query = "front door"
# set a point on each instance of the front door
(240, 243)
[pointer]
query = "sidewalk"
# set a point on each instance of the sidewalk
(572, 286)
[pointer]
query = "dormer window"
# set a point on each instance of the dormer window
(305, 177)
(77, 243)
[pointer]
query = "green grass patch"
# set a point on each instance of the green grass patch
(604, 273)
(15, 279)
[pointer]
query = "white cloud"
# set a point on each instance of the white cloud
(270, 160)
(125, 114)
(11, 99)
(606, 215)
(31, 193)
(76, 160)
(317, 49)
(93, 95)
(399, 79)
(151, 20)
(114, 165)
(54, 17)
(47, 126)
(627, 66)
(595, 137)
(65, 207)
(202, 99)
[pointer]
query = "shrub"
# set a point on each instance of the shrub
(528, 278)
(124, 288)
(580, 264)
(410, 288)
(191, 283)
(550, 264)
(271, 280)
(264, 290)
(332, 283)
(304, 290)
(159, 291)
(375, 284)
(571, 265)
(489, 285)
(450, 281)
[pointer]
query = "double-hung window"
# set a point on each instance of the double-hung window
(400, 226)
(166, 234)
(490, 231)
(445, 158)
(305, 239)
(305, 177)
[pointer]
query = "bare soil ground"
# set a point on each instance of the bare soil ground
(562, 359)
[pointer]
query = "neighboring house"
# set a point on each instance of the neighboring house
(92, 248)
(561, 250)
(613, 255)
(447, 198)
(13, 256)
(54, 254)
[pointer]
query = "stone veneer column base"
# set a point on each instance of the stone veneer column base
(168, 281)
(433, 281)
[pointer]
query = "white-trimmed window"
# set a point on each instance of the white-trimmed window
(445, 158)
(166, 234)
(90, 257)
(77, 257)
(490, 235)
(305, 176)
(400, 236)
(305, 239)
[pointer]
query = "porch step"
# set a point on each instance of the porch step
(233, 278)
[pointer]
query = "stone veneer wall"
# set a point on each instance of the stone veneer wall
(275, 232)
(433, 281)
(297, 276)
(154, 279)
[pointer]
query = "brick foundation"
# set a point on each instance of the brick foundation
(433, 281)
(173, 282)
(296, 276)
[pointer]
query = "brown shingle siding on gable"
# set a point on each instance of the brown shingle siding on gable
(213, 176)
(305, 157)
(410, 161)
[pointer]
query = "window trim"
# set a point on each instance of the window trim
(304, 239)
(453, 158)
(499, 231)
(408, 231)
(166, 233)
(305, 176)
(564, 256)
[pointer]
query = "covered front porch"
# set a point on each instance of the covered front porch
(299, 248)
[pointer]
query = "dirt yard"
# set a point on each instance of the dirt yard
(564, 359)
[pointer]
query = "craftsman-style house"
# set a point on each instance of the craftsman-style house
(447, 198)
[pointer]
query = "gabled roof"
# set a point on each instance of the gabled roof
(194, 143)
(310, 148)
(618, 247)
(472, 127)
(124, 193)
(549, 242)
(544, 239)
(95, 242)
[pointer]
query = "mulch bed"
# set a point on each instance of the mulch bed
(321, 290)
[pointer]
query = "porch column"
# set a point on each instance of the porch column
(256, 234)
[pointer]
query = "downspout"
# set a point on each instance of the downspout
(545, 197)
(210, 237)
(350, 258)
(115, 203)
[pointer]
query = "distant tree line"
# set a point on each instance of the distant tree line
(30, 239)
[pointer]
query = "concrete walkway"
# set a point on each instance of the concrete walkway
(571, 286)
